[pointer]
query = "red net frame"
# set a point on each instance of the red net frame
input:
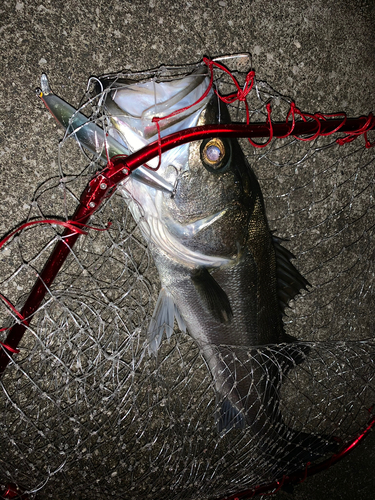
(119, 168)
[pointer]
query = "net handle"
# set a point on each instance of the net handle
(119, 167)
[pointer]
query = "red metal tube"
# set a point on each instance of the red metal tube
(256, 130)
(43, 282)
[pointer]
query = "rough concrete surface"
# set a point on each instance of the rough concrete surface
(320, 52)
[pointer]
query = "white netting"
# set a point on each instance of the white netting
(87, 412)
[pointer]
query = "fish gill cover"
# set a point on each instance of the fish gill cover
(173, 355)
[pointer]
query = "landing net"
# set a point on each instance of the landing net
(88, 412)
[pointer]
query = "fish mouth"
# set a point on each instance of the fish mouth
(165, 110)
(132, 106)
(93, 138)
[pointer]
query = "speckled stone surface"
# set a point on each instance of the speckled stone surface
(320, 52)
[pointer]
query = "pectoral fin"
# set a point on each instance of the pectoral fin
(213, 297)
(228, 418)
(162, 320)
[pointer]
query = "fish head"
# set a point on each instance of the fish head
(202, 219)
(215, 196)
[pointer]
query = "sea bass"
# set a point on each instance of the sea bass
(225, 278)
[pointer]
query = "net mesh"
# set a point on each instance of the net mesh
(87, 412)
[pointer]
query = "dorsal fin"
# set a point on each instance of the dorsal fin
(289, 280)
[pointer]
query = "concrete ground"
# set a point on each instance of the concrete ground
(320, 52)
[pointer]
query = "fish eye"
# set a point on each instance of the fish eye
(215, 154)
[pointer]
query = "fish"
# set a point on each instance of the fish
(225, 277)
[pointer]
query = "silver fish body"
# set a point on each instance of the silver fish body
(232, 307)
